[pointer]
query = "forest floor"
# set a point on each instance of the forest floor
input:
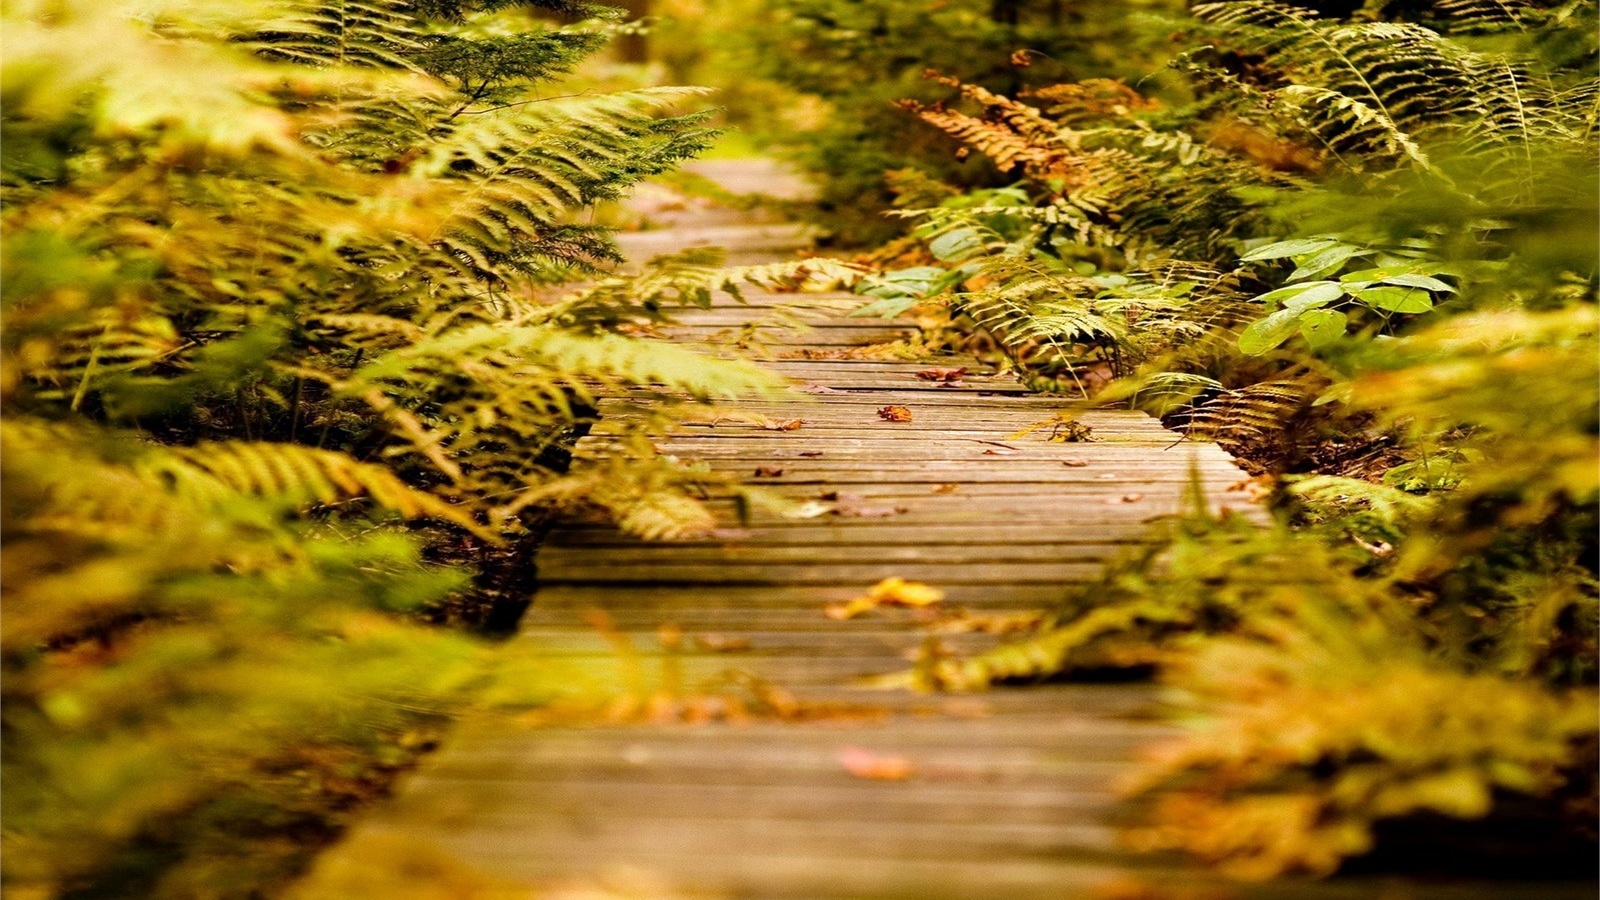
(746, 751)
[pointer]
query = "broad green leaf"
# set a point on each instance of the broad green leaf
(898, 291)
(1401, 275)
(1322, 327)
(1285, 249)
(887, 307)
(1395, 299)
(1305, 295)
(1312, 265)
(955, 245)
(1376, 273)
(1425, 282)
(1268, 333)
(1336, 393)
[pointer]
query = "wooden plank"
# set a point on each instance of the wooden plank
(713, 596)
(655, 554)
(598, 570)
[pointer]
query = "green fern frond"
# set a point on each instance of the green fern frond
(375, 33)
(210, 476)
(216, 472)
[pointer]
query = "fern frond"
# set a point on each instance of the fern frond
(690, 279)
(215, 472)
(1250, 418)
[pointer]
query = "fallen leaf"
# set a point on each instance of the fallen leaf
(768, 471)
(812, 388)
(999, 453)
(863, 763)
(716, 643)
(1069, 431)
(845, 609)
(1125, 498)
(783, 424)
(1255, 489)
(892, 591)
(942, 374)
(896, 591)
(1063, 429)
(811, 453)
(867, 511)
(894, 414)
(1074, 462)
(808, 510)
(945, 488)
(842, 496)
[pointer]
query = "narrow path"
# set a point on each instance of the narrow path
(753, 764)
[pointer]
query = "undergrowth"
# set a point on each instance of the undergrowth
(293, 344)
(1361, 256)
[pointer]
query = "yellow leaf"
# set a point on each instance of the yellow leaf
(897, 591)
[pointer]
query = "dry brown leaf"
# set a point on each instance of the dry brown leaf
(842, 496)
(783, 424)
(867, 511)
(716, 643)
(949, 488)
(1063, 429)
(811, 453)
(863, 763)
(768, 471)
(942, 374)
(894, 414)
(813, 388)
(1075, 462)
(1125, 498)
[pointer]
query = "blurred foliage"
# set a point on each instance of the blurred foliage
(819, 78)
(1362, 256)
(285, 359)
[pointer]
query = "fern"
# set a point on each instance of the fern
(278, 288)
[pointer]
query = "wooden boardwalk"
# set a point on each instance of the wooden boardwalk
(750, 762)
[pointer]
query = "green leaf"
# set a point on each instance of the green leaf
(956, 245)
(1268, 333)
(1305, 295)
(1395, 299)
(1322, 327)
(1312, 265)
(1401, 275)
(1285, 249)
(886, 307)
(898, 291)
(1425, 282)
